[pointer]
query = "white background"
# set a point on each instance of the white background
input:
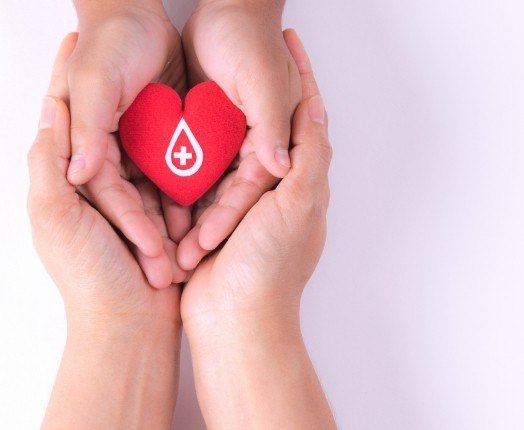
(414, 318)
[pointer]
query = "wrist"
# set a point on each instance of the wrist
(213, 329)
(256, 373)
(93, 10)
(121, 331)
(132, 347)
(266, 5)
(116, 376)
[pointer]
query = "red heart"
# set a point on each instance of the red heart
(184, 150)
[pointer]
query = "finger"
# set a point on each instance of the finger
(222, 208)
(58, 86)
(157, 269)
(311, 154)
(200, 212)
(178, 274)
(153, 209)
(269, 106)
(249, 183)
(50, 193)
(177, 218)
(299, 54)
(189, 252)
(107, 192)
(95, 87)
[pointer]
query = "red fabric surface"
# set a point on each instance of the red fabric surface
(147, 127)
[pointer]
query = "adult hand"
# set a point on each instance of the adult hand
(239, 45)
(240, 308)
(273, 251)
(120, 329)
(93, 267)
(122, 45)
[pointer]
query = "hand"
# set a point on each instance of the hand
(97, 275)
(121, 47)
(240, 308)
(120, 329)
(274, 250)
(240, 46)
(120, 364)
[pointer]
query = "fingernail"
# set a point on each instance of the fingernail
(48, 113)
(282, 156)
(77, 163)
(316, 110)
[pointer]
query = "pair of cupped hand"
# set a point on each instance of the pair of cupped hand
(106, 233)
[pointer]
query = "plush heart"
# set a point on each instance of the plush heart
(184, 150)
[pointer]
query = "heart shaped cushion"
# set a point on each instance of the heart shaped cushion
(183, 149)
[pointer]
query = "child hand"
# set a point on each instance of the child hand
(120, 49)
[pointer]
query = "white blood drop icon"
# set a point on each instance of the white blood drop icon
(183, 155)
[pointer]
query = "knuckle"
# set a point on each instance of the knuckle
(125, 214)
(154, 211)
(47, 217)
(312, 209)
(111, 190)
(301, 216)
(308, 203)
(325, 151)
(317, 147)
(247, 185)
(300, 135)
(305, 205)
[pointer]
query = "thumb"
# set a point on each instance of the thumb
(95, 92)
(269, 117)
(311, 153)
(51, 196)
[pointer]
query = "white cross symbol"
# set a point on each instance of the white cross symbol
(183, 155)
(182, 169)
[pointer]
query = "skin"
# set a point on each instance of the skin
(121, 46)
(125, 44)
(239, 45)
(240, 307)
(120, 364)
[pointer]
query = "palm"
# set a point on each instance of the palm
(95, 242)
(136, 206)
(276, 246)
(121, 192)
(152, 52)
(92, 264)
(254, 257)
